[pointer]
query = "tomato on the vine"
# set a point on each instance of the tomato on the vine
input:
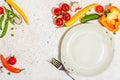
(12, 60)
(1, 10)
(65, 7)
(99, 9)
(57, 11)
(59, 22)
(66, 16)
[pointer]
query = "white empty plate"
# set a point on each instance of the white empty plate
(87, 49)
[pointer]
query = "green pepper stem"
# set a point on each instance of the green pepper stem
(106, 13)
(21, 70)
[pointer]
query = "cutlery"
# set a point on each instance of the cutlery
(60, 66)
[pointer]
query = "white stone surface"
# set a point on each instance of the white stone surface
(35, 44)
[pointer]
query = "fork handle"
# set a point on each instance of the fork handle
(69, 75)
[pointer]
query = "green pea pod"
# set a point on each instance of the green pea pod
(1, 21)
(89, 17)
(4, 31)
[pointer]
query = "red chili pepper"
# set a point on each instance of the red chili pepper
(8, 67)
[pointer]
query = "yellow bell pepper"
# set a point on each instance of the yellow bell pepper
(18, 9)
(79, 15)
(111, 19)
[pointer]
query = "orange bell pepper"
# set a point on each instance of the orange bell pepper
(111, 19)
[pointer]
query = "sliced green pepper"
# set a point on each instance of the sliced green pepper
(5, 28)
(10, 15)
(1, 21)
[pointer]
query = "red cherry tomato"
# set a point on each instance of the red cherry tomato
(66, 16)
(99, 9)
(65, 7)
(57, 11)
(59, 22)
(12, 60)
(1, 10)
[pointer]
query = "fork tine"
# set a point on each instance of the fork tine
(60, 66)
(57, 64)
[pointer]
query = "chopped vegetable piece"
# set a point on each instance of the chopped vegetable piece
(11, 15)
(1, 21)
(4, 31)
(17, 20)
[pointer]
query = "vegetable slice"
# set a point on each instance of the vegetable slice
(11, 15)
(5, 28)
(1, 21)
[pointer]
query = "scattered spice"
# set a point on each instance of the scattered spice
(12, 35)
(9, 73)
(12, 28)
(1, 68)
(114, 33)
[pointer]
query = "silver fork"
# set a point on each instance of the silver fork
(60, 66)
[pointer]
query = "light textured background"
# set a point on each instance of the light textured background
(35, 44)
